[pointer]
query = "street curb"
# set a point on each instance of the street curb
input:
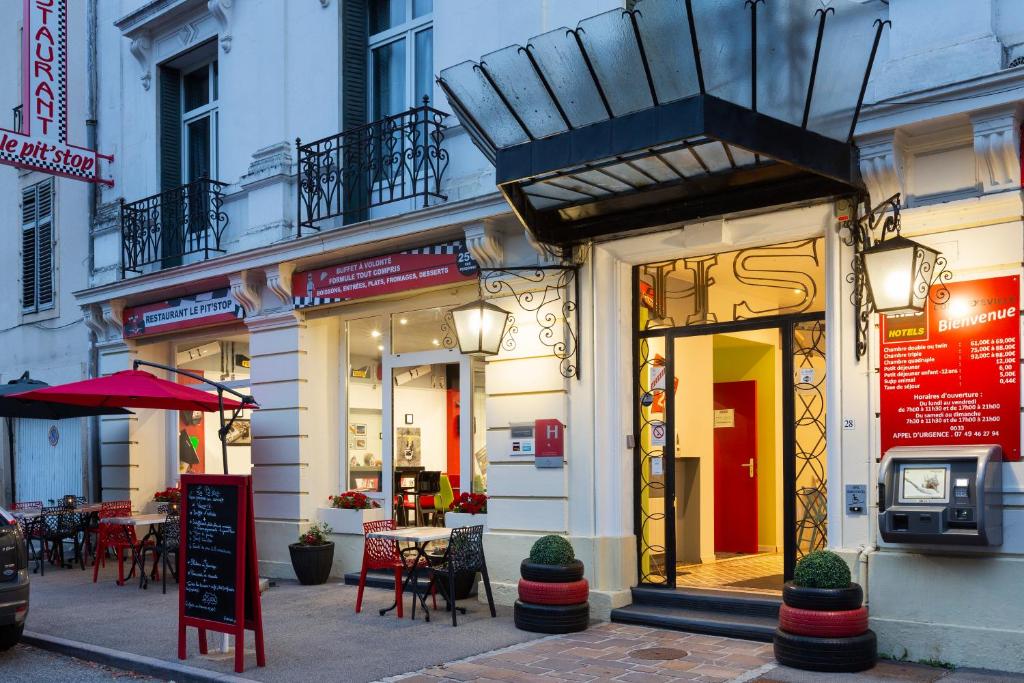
(179, 673)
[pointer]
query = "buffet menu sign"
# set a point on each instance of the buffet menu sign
(950, 376)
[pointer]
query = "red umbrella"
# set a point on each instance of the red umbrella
(132, 389)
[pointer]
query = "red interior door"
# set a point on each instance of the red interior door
(735, 434)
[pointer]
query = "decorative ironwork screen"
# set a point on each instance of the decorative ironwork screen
(395, 158)
(165, 227)
(810, 492)
(651, 439)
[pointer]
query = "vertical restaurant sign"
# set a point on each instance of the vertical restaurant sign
(440, 264)
(198, 310)
(42, 143)
(950, 376)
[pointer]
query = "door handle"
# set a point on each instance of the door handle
(749, 464)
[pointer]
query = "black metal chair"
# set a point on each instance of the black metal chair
(62, 526)
(168, 541)
(465, 555)
(33, 530)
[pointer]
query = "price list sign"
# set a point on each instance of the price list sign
(950, 376)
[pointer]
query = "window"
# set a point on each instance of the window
(401, 45)
(199, 123)
(37, 247)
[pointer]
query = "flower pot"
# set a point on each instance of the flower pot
(465, 585)
(312, 563)
(348, 521)
(454, 520)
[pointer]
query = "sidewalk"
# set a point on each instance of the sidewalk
(312, 633)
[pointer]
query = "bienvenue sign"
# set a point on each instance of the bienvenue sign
(42, 143)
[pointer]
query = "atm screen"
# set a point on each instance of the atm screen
(923, 483)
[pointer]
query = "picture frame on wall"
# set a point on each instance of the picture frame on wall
(357, 429)
(240, 433)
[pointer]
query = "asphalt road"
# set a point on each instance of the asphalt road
(24, 664)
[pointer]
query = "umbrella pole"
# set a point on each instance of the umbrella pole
(222, 431)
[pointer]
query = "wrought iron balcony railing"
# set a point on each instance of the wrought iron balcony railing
(168, 226)
(17, 118)
(398, 157)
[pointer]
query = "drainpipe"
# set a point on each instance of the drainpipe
(95, 471)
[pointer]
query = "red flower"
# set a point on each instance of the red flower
(472, 503)
(353, 500)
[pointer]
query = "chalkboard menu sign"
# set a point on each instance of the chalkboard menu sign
(220, 582)
(211, 539)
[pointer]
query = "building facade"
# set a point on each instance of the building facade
(304, 190)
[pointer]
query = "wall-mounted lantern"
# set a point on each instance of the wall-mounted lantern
(480, 327)
(891, 275)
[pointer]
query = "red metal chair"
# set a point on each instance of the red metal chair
(382, 553)
(116, 537)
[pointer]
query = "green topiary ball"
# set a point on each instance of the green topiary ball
(553, 550)
(822, 569)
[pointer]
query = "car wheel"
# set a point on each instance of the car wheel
(550, 573)
(10, 635)
(833, 655)
(538, 593)
(551, 618)
(835, 624)
(823, 599)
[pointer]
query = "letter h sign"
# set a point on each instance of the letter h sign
(550, 443)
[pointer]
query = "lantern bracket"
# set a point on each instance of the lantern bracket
(860, 233)
(551, 294)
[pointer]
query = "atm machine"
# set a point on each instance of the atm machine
(941, 495)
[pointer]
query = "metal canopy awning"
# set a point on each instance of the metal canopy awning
(673, 111)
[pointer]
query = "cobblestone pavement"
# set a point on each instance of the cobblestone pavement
(616, 652)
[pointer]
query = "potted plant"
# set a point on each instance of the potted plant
(469, 509)
(313, 555)
(348, 511)
(169, 498)
(552, 591)
(823, 625)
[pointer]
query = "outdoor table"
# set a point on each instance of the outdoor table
(30, 514)
(136, 521)
(419, 536)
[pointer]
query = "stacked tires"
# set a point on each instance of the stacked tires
(824, 629)
(552, 597)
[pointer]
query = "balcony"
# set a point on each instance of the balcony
(168, 227)
(397, 158)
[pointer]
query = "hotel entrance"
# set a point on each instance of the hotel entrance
(730, 420)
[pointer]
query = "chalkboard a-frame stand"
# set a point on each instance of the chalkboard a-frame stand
(218, 572)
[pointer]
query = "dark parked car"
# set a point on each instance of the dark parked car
(13, 581)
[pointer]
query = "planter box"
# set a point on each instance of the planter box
(457, 519)
(348, 521)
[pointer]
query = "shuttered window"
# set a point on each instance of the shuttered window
(37, 247)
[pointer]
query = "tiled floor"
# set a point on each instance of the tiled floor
(611, 652)
(728, 571)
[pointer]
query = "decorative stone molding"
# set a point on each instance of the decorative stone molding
(268, 163)
(882, 164)
(547, 254)
(997, 147)
(93, 316)
(140, 48)
(113, 316)
(483, 240)
(245, 290)
(279, 281)
(325, 3)
(221, 11)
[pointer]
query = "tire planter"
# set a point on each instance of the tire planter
(312, 563)
(823, 599)
(841, 624)
(569, 593)
(833, 655)
(551, 618)
(547, 573)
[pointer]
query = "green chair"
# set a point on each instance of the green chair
(444, 498)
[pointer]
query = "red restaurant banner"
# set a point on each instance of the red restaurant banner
(41, 144)
(198, 310)
(441, 264)
(950, 375)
